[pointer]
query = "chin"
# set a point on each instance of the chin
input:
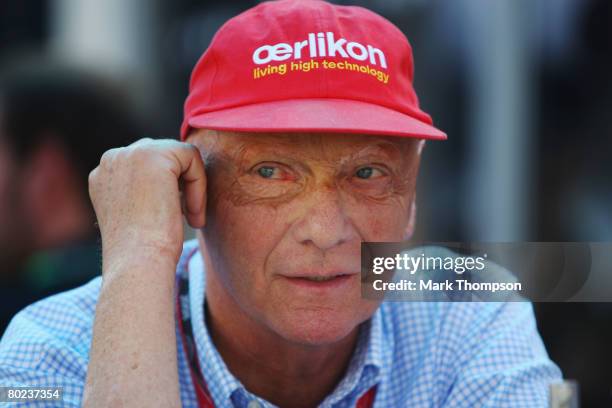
(318, 327)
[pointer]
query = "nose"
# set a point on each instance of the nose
(324, 223)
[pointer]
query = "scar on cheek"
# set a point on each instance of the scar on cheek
(227, 184)
(239, 194)
(403, 185)
(400, 188)
(237, 187)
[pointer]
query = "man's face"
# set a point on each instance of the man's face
(286, 214)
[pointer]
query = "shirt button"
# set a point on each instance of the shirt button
(254, 404)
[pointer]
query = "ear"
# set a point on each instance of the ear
(420, 146)
(409, 231)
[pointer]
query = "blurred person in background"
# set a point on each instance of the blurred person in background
(54, 125)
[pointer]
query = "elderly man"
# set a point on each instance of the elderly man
(304, 139)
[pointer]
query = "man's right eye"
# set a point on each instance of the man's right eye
(276, 172)
(266, 171)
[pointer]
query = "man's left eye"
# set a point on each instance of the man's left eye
(368, 173)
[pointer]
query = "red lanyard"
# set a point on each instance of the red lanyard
(204, 398)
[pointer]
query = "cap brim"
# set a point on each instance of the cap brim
(317, 115)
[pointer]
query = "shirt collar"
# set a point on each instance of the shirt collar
(364, 369)
(220, 382)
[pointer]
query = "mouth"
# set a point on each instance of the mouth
(321, 282)
(321, 278)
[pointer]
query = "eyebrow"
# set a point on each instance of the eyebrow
(388, 149)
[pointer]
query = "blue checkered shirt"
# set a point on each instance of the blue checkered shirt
(419, 354)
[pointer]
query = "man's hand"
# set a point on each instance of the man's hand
(136, 193)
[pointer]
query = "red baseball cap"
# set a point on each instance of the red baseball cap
(307, 66)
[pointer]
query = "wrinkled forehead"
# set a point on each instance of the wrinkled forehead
(316, 146)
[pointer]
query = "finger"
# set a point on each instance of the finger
(141, 141)
(193, 177)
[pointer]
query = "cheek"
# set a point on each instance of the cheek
(382, 221)
(253, 228)
(244, 236)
